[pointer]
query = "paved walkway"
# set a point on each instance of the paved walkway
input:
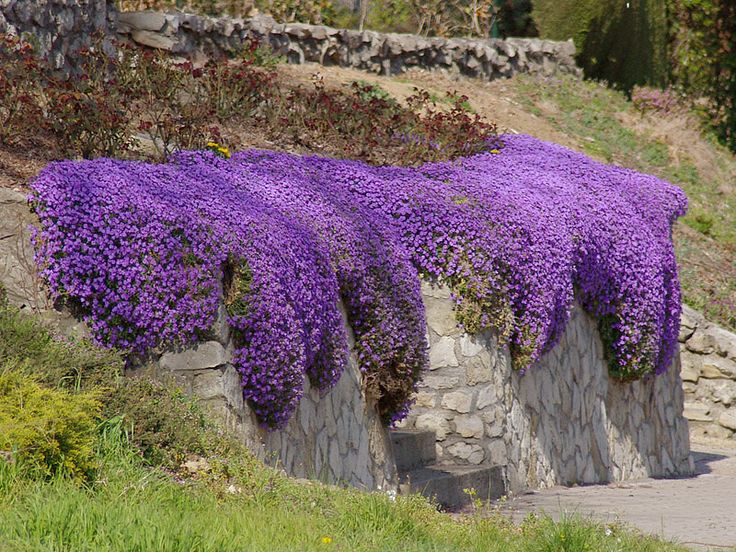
(699, 512)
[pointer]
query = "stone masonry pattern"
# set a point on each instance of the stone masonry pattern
(198, 38)
(708, 354)
(59, 27)
(563, 422)
(336, 438)
(63, 26)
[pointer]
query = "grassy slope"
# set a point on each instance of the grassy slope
(607, 127)
(231, 503)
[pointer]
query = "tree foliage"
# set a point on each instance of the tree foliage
(703, 52)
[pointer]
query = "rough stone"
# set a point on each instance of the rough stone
(433, 421)
(473, 454)
(718, 367)
(728, 419)
(459, 401)
(143, 21)
(486, 397)
(697, 412)
(478, 370)
(153, 40)
(442, 354)
(690, 373)
(425, 400)
(469, 426)
(701, 342)
(204, 355)
(209, 385)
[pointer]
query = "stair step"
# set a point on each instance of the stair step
(413, 448)
(445, 483)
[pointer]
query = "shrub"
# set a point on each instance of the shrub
(90, 113)
(21, 113)
(162, 423)
(55, 362)
(619, 42)
(703, 34)
(49, 431)
(655, 100)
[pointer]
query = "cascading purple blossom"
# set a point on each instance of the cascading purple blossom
(143, 250)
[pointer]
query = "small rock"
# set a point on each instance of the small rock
(459, 401)
(472, 453)
(425, 400)
(701, 342)
(469, 426)
(697, 412)
(196, 465)
(143, 20)
(718, 367)
(153, 40)
(486, 397)
(204, 355)
(728, 419)
(433, 421)
(442, 354)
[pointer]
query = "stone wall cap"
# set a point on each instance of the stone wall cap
(143, 20)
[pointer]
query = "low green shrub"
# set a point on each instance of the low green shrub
(49, 431)
(162, 423)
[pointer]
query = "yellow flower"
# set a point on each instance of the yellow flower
(212, 145)
(224, 151)
(326, 540)
(495, 151)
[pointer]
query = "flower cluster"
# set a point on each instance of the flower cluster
(144, 250)
(655, 100)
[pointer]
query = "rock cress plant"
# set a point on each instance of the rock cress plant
(143, 250)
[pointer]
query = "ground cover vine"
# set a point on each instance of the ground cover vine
(143, 250)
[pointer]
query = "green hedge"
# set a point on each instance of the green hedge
(624, 46)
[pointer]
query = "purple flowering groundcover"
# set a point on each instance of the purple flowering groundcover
(144, 249)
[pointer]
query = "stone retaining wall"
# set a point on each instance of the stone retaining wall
(60, 27)
(563, 422)
(336, 438)
(200, 37)
(708, 354)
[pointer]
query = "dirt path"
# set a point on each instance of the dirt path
(698, 512)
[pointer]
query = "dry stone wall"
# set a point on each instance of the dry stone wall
(59, 27)
(563, 422)
(708, 354)
(199, 37)
(337, 437)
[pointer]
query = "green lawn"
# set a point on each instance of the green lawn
(137, 496)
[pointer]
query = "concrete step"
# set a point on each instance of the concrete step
(413, 448)
(446, 483)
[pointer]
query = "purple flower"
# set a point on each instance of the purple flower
(143, 250)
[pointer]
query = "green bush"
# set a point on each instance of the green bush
(703, 35)
(55, 362)
(622, 45)
(48, 431)
(161, 421)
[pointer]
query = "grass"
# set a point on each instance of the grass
(607, 127)
(134, 507)
(134, 501)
